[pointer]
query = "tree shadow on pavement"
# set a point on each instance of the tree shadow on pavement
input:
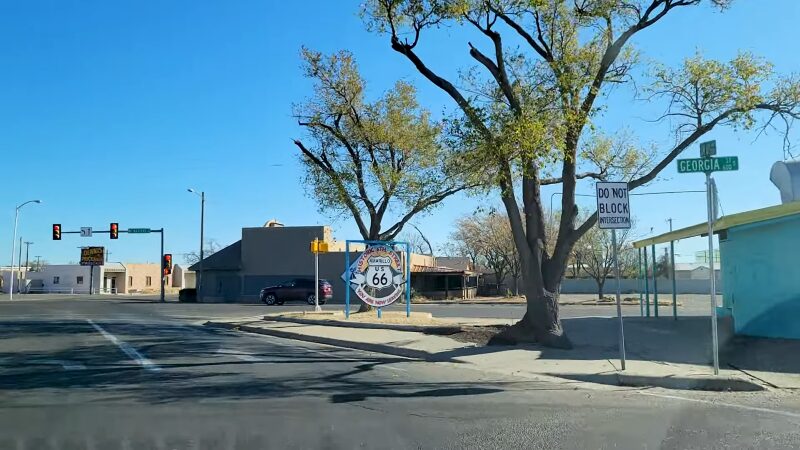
(194, 365)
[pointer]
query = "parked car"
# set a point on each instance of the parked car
(296, 289)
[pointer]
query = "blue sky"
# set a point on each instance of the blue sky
(110, 110)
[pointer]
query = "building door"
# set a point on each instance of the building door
(113, 285)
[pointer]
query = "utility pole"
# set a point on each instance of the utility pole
(27, 255)
(19, 267)
(672, 269)
(13, 245)
(198, 284)
(38, 262)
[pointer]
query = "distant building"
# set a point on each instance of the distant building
(695, 271)
(275, 253)
(110, 278)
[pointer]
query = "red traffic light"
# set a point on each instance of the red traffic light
(56, 231)
(113, 230)
(166, 264)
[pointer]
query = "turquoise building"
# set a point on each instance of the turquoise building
(761, 274)
(760, 259)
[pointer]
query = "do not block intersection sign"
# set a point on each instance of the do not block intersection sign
(613, 207)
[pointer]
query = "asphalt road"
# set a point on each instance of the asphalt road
(107, 374)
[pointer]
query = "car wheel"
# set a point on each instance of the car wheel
(270, 299)
(310, 299)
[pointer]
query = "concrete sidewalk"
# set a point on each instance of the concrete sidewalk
(661, 352)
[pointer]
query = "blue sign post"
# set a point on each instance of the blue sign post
(377, 275)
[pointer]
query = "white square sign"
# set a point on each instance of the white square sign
(86, 231)
(613, 208)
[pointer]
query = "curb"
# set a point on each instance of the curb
(441, 303)
(701, 383)
(377, 348)
(437, 329)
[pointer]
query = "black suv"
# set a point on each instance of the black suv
(296, 289)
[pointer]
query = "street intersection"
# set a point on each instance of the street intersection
(121, 373)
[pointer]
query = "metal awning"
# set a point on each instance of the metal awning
(723, 223)
(113, 268)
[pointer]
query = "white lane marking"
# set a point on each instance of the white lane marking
(66, 365)
(69, 366)
(399, 369)
(244, 356)
(729, 405)
(126, 348)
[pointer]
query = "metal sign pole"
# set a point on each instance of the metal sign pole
(162, 264)
(619, 300)
(674, 282)
(655, 281)
(347, 279)
(316, 280)
(712, 277)
(639, 284)
(408, 279)
(91, 278)
(613, 211)
(646, 284)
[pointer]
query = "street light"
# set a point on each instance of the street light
(14, 247)
(199, 274)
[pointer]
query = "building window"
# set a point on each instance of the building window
(148, 281)
(55, 280)
(79, 280)
(130, 281)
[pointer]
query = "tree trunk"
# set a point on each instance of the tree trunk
(541, 322)
(600, 285)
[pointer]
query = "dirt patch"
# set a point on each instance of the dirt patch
(387, 318)
(479, 335)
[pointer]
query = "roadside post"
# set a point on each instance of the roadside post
(639, 283)
(613, 212)
(646, 285)
(317, 247)
(672, 275)
(655, 282)
(708, 163)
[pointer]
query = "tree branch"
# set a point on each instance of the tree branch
(326, 167)
(359, 171)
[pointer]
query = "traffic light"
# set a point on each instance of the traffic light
(113, 230)
(56, 231)
(166, 264)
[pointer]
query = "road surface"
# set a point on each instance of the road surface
(113, 374)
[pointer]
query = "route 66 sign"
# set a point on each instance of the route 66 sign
(377, 276)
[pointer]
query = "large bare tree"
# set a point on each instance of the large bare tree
(597, 254)
(527, 110)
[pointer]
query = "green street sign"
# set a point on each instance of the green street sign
(721, 164)
(139, 230)
(708, 149)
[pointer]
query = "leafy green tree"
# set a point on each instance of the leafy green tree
(527, 112)
(371, 160)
